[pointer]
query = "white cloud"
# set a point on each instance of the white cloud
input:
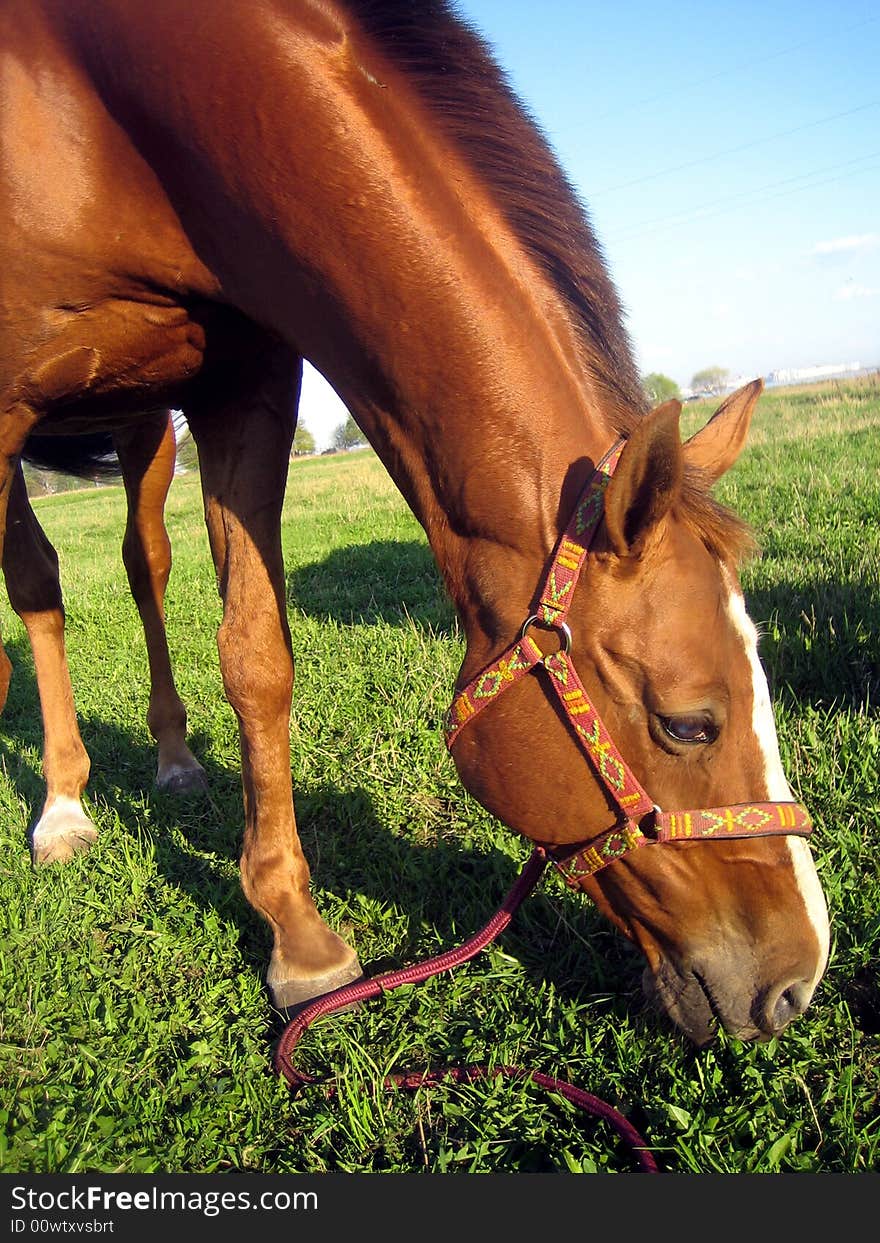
(852, 289)
(846, 245)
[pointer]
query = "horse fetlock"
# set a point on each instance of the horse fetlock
(63, 830)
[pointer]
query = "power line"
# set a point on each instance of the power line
(717, 155)
(697, 213)
(704, 213)
(737, 69)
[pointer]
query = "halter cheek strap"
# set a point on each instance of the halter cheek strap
(641, 822)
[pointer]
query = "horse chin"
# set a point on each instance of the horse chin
(687, 999)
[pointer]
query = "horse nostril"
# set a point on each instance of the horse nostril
(791, 1002)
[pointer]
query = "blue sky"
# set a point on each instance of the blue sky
(728, 156)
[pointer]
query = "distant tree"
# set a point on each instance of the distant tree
(659, 388)
(711, 380)
(347, 435)
(303, 441)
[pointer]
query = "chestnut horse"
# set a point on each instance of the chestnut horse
(198, 196)
(146, 451)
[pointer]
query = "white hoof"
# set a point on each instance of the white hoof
(63, 830)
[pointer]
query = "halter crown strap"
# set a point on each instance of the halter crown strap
(641, 821)
(569, 556)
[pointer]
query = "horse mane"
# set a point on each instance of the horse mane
(724, 533)
(453, 71)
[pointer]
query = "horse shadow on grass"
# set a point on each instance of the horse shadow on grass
(821, 647)
(820, 640)
(392, 581)
(451, 890)
(828, 649)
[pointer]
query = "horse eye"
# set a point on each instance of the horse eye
(696, 727)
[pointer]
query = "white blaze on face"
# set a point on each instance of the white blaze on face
(778, 789)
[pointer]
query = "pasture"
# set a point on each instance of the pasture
(136, 1033)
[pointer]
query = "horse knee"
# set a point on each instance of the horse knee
(257, 670)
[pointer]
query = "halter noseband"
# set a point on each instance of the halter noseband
(641, 823)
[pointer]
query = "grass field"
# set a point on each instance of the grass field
(136, 1034)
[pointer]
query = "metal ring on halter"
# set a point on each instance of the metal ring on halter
(561, 629)
(648, 823)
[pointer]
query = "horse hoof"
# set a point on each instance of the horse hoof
(63, 830)
(292, 996)
(183, 782)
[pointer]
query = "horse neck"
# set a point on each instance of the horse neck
(365, 240)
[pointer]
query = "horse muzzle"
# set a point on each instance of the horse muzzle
(709, 997)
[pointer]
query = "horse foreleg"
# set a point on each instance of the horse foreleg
(30, 566)
(244, 451)
(147, 453)
(5, 662)
(8, 468)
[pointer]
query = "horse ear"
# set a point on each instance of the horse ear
(715, 447)
(646, 480)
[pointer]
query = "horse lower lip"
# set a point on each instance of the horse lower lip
(687, 1001)
(692, 1003)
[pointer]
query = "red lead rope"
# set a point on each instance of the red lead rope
(364, 990)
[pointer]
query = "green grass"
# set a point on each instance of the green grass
(135, 1032)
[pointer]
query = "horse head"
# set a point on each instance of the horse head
(665, 669)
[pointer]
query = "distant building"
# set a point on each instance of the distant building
(796, 375)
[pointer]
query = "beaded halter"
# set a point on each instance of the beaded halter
(641, 822)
